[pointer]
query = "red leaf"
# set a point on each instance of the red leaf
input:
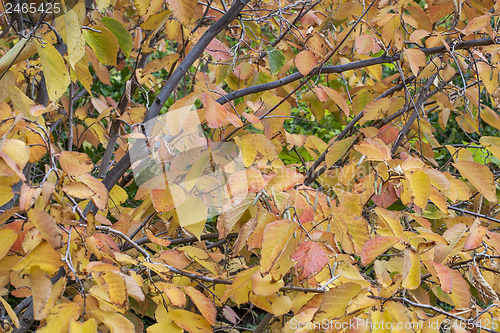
(310, 258)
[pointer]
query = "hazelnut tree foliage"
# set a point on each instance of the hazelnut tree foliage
(368, 131)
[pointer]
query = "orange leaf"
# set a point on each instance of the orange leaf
(475, 237)
(75, 164)
(175, 295)
(47, 226)
(374, 150)
(375, 247)
(416, 58)
(203, 303)
(477, 23)
(480, 176)
(339, 100)
(243, 71)
(310, 258)
(442, 273)
(41, 289)
(183, 9)
(305, 62)
(460, 292)
(100, 198)
(366, 44)
(152, 238)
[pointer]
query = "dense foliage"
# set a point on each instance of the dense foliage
(293, 166)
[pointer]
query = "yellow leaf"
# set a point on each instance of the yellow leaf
(117, 195)
(411, 269)
(276, 236)
(416, 58)
(44, 256)
(47, 226)
(492, 144)
(8, 237)
(103, 4)
(89, 326)
(202, 257)
(420, 187)
(488, 75)
(480, 176)
(59, 318)
(191, 211)
(23, 50)
(73, 30)
(75, 164)
(392, 219)
(54, 70)
(78, 190)
(241, 287)
(41, 289)
(305, 62)
(281, 305)
(55, 293)
(337, 150)
(114, 321)
(17, 151)
(203, 303)
(248, 149)
(374, 150)
(335, 301)
(191, 322)
(116, 288)
(264, 285)
(122, 34)
(376, 109)
(104, 44)
(454, 236)
(10, 312)
(156, 21)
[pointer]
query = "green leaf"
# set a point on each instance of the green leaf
(121, 33)
(54, 69)
(276, 59)
(104, 43)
